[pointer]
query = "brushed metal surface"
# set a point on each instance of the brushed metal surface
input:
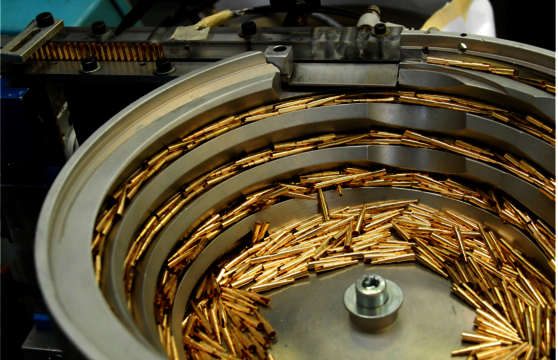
(312, 323)
(379, 75)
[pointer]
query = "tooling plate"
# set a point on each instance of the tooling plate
(312, 322)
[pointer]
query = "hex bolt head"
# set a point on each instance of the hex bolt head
(249, 28)
(99, 27)
(373, 302)
(371, 291)
(380, 29)
(44, 19)
(372, 9)
(89, 64)
(163, 65)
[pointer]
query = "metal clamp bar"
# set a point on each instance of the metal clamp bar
(29, 40)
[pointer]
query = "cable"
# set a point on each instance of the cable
(268, 9)
(328, 20)
(338, 11)
(183, 12)
(118, 9)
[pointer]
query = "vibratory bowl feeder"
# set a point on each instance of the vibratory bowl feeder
(334, 193)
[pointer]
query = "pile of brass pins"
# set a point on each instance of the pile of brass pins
(101, 51)
(514, 302)
(123, 195)
(224, 322)
(311, 187)
(498, 70)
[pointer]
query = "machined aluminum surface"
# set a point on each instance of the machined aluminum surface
(376, 315)
(500, 90)
(371, 291)
(97, 324)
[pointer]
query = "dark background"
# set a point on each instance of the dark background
(532, 23)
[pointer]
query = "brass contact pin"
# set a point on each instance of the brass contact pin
(349, 237)
(323, 205)
(475, 348)
(459, 238)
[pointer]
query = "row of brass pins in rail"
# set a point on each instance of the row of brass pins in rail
(103, 52)
(498, 70)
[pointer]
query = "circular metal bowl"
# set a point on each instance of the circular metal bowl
(95, 322)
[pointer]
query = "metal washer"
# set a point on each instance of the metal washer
(374, 318)
(86, 72)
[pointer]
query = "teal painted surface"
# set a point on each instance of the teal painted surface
(17, 14)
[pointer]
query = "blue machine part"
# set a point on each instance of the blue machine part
(16, 15)
(10, 93)
(42, 321)
(15, 128)
(19, 147)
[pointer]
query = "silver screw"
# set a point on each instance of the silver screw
(371, 291)
(373, 302)
(462, 47)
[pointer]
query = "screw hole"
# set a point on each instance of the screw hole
(186, 48)
(54, 62)
(371, 282)
(463, 34)
(380, 27)
(279, 48)
(142, 64)
(426, 50)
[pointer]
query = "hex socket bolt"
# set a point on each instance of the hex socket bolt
(163, 66)
(44, 19)
(99, 27)
(371, 291)
(249, 28)
(373, 302)
(89, 65)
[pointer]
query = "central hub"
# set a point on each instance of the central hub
(373, 301)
